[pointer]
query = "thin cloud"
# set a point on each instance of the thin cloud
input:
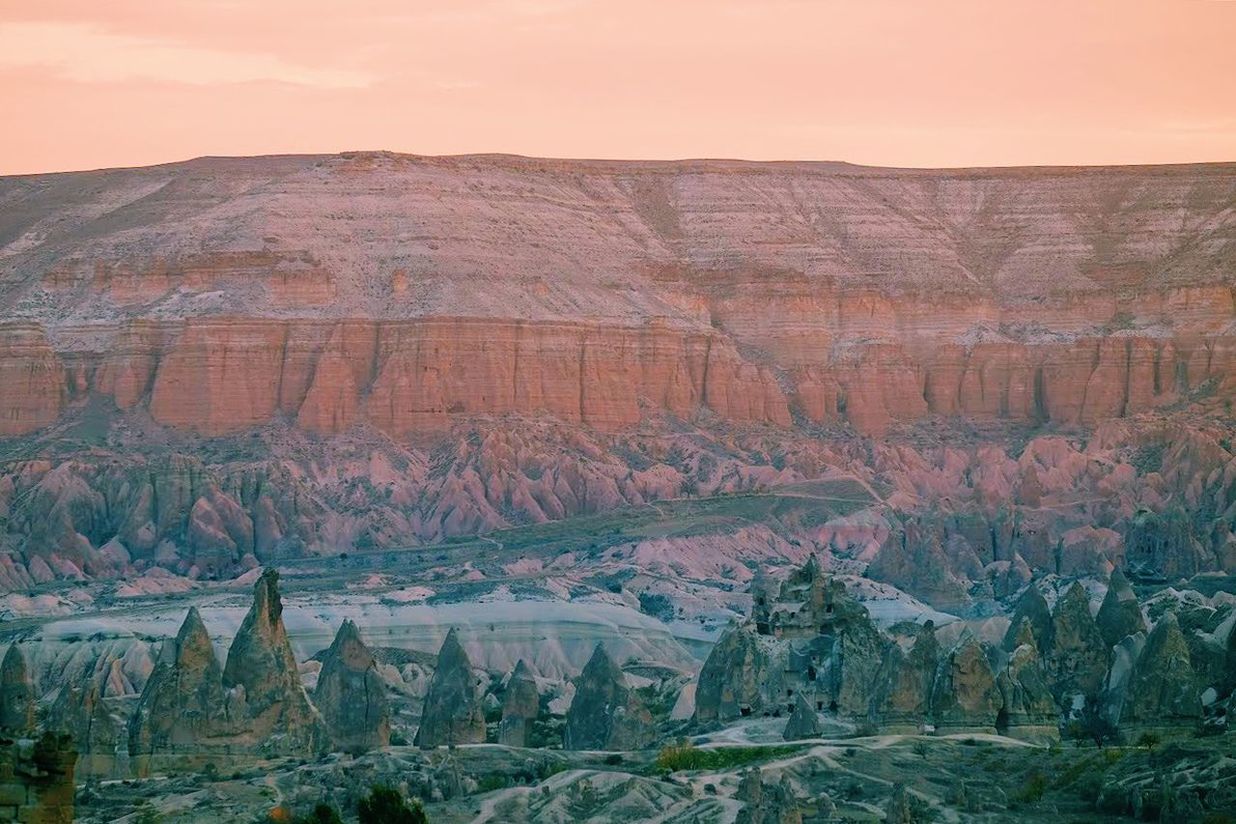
(86, 53)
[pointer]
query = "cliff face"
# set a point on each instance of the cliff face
(407, 292)
(488, 340)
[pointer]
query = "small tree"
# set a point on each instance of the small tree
(386, 806)
(1148, 740)
(1093, 725)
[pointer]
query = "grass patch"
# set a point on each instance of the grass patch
(686, 756)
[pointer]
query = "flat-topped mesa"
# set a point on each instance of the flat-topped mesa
(452, 712)
(350, 694)
(521, 705)
(1120, 614)
(184, 710)
(17, 700)
(605, 713)
(262, 670)
(869, 296)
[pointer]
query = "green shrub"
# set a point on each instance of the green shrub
(1148, 740)
(1032, 789)
(686, 756)
(386, 806)
(322, 814)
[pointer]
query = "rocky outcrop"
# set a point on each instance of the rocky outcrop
(83, 715)
(521, 705)
(966, 695)
(350, 694)
(1120, 614)
(1164, 688)
(928, 308)
(262, 671)
(1079, 658)
(1031, 608)
(37, 782)
(1028, 703)
(17, 700)
(804, 721)
(452, 711)
(184, 709)
(905, 680)
(741, 669)
(605, 713)
(766, 803)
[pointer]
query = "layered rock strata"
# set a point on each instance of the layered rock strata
(869, 296)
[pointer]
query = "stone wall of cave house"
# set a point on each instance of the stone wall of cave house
(36, 780)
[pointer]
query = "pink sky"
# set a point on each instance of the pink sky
(87, 84)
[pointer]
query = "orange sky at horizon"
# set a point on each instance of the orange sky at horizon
(881, 82)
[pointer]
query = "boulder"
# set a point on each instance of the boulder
(605, 713)
(451, 713)
(521, 704)
(17, 702)
(350, 694)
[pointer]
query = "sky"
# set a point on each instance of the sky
(87, 84)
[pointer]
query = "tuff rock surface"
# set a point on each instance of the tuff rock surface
(17, 700)
(606, 714)
(452, 712)
(350, 695)
(521, 704)
(261, 672)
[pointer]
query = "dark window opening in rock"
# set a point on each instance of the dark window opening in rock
(789, 708)
(777, 713)
(832, 706)
(819, 705)
(828, 609)
(1002, 721)
(760, 600)
(744, 711)
(789, 692)
(761, 627)
(810, 672)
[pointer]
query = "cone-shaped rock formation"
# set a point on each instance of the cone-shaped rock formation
(452, 712)
(350, 694)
